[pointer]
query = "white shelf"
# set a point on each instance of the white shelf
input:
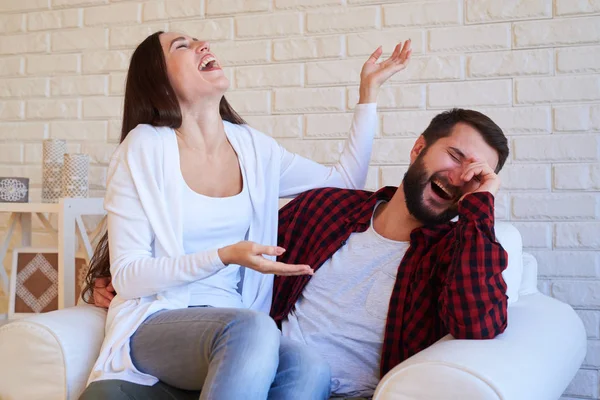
(29, 207)
(70, 230)
(93, 205)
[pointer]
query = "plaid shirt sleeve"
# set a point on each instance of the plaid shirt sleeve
(298, 223)
(312, 228)
(473, 301)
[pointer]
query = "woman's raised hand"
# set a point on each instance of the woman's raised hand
(250, 254)
(373, 75)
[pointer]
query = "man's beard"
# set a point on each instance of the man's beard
(414, 184)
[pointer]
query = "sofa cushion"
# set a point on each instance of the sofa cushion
(49, 356)
(510, 239)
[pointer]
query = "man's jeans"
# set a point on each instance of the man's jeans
(228, 353)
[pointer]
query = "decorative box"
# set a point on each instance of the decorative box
(14, 190)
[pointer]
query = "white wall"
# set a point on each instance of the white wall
(532, 65)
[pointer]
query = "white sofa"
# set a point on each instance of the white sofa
(49, 356)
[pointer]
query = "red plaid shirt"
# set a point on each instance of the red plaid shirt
(449, 281)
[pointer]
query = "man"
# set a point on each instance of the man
(393, 274)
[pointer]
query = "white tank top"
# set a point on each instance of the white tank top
(212, 223)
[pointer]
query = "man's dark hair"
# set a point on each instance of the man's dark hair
(442, 124)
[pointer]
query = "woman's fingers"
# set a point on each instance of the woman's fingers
(106, 294)
(267, 250)
(399, 58)
(101, 282)
(397, 51)
(401, 52)
(109, 294)
(279, 268)
(375, 55)
(406, 50)
(254, 257)
(402, 60)
(103, 291)
(101, 302)
(100, 299)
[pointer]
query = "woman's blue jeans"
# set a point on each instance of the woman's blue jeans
(225, 354)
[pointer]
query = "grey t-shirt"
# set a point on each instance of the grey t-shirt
(343, 309)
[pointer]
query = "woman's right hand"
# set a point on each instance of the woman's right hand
(374, 74)
(104, 291)
(250, 254)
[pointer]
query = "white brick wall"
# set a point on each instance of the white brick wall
(532, 65)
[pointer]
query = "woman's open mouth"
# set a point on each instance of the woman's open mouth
(209, 63)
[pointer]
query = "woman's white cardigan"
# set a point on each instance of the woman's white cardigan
(150, 271)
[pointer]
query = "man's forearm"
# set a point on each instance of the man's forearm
(473, 301)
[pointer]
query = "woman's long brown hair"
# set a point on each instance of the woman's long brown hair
(149, 99)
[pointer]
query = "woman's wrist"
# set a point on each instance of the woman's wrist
(367, 94)
(224, 255)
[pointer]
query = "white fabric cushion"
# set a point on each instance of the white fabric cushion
(517, 365)
(510, 239)
(50, 356)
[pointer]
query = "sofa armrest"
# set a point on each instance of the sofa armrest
(49, 356)
(535, 358)
(529, 280)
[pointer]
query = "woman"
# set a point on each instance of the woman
(179, 315)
